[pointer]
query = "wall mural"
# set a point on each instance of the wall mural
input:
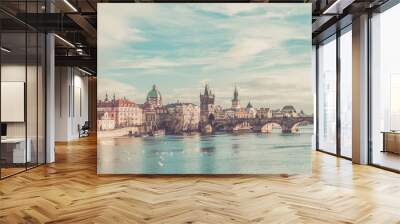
(204, 89)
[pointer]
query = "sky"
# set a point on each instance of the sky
(263, 49)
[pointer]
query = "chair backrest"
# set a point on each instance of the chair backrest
(86, 125)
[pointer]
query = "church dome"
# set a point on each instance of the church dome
(288, 109)
(154, 93)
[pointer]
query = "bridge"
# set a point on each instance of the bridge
(287, 124)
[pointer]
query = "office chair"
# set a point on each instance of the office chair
(84, 130)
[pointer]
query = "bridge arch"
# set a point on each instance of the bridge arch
(266, 125)
(269, 126)
(295, 126)
(219, 127)
(242, 127)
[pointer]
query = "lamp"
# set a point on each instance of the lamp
(70, 5)
(64, 40)
(5, 50)
(84, 71)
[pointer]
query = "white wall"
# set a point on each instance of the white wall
(71, 102)
(80, 105)
(17, 73)
(62, 82)
(12, 73)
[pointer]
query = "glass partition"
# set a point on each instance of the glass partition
(385, 89)
(327, 95)
(346, 93)
(22, 77)
(13, 90)
(31, 97)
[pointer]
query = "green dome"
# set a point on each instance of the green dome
(288, 109)
(154, 93)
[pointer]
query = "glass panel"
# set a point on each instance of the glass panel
(386, 89)
(327, 96)
(346, 94)
(31, 98)
(31, 88)
(13, 80)
(23, 90)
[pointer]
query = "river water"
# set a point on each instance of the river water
(250, 153)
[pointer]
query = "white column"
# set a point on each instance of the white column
(50, 92)
(360, 90)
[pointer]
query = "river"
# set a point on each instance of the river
(250, 153)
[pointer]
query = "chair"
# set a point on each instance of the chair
(84, 130)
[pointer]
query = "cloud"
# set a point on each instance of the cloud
(120, 33)
(228, 9)
(111, 87)
(250, 41)
(182, 47)
(146, 63)
(245, 48)
(157, 63)
(259, 10)
(247, 37)
(115, 30)
(279, 88)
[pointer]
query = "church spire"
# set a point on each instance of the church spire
(235, 100)
(249, 105)
(235, 94)
(206, 90)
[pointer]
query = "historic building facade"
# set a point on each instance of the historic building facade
(106, 121)
(178, 118)
(289, 111)
(118, 113)
(153, 110)
(251, 111)
(236, 111)
(154, 97)
(208, 109)
(181, 117)
(149, 117)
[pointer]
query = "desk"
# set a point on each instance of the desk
(391, 141)
(13, 150)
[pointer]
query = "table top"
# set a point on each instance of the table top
(390, 132)
(13, 140)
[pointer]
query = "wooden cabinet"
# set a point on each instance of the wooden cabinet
(391, 142)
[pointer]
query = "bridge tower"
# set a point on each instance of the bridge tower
(206, 106)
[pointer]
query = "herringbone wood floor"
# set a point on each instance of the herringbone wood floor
(69, 191)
